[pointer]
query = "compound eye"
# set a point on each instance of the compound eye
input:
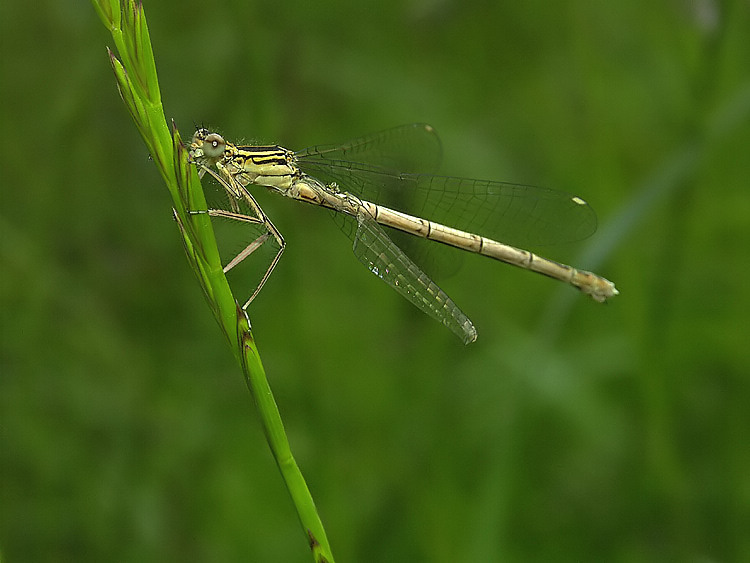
(213, 145)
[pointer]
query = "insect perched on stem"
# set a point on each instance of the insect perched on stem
(373, 181)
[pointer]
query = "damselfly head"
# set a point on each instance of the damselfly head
(207, 146)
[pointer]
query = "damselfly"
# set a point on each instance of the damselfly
(374, 181)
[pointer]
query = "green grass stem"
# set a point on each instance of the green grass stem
(137, 82)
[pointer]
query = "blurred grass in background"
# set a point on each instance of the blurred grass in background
(569, 432)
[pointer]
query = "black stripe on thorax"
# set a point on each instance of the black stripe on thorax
(265, 154)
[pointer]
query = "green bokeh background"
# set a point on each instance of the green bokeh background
(569, 431)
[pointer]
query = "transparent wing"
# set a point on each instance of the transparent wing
(412, 148)
(510, 213)
(393, 167)
(384, 259)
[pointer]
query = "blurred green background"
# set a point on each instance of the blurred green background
(569, 431)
